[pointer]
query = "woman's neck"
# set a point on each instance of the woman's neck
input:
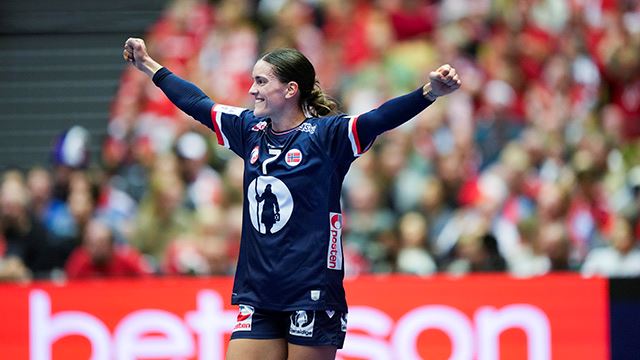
(287, 120)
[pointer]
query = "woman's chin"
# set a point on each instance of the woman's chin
(259, 112)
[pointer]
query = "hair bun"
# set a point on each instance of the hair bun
(318, 103)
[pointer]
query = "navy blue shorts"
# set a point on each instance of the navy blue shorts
(302, 327)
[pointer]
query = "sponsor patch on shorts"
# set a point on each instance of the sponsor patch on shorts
(245, 317)
(302, 322)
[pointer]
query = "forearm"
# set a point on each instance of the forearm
(185, 95)
(150, 67)
(391, 114)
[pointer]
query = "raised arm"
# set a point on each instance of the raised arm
(399, 110)
(185, 95)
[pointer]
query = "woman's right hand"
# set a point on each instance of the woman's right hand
(135, 52)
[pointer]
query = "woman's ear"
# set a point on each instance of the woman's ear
(292, 89)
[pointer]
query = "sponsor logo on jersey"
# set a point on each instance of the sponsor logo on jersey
(293, 157)
(255, 153)
(307, 128)
(334, 253)
(302, 322)
(259, 126)
(245, 316)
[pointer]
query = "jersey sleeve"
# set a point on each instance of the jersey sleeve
(341, 138)
(389, 115)
(228, 122)
(348, 137)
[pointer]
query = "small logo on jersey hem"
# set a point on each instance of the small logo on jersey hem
(301, 324)
(255, 153)
(293, 157)
(245, 317)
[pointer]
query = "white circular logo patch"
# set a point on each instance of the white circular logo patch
(270, 204)
(293, 157)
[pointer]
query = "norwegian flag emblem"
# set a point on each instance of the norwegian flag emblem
(293, 157)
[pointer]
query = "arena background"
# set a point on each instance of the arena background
(488, 228)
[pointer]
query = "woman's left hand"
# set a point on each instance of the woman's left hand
(443, 81)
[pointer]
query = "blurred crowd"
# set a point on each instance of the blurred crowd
(532, 167)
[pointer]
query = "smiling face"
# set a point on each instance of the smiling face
(271, 95)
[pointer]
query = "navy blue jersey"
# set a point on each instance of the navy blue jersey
(291, 248)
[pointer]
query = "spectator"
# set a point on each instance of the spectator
(554, 243)
(619, 258)
(477, 253)
(203, 183)
(13, 269)
(53, 212)
(527, 259)
(162, 215)
(26, 241)
(413, 256)
(70, 154)
(206, 250)
(368, 220)
(100, 256)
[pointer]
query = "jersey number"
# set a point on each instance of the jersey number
(275, 153)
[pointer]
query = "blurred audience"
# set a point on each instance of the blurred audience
(532, 167)
(100, 256)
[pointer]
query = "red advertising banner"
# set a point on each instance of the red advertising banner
(390, 317)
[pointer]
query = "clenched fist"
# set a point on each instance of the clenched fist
(135, 52)
(443, 81)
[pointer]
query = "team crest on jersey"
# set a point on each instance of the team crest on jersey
(245, 317)
(255, 153)
(293, 157)
(270, 204)
(302, 322)
(259, 126)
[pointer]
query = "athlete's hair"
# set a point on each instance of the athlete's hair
(292, 65)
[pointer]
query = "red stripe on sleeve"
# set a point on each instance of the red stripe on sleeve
(356, 138)
(217, 130)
